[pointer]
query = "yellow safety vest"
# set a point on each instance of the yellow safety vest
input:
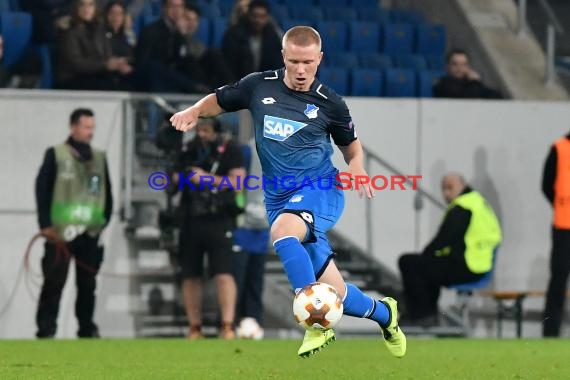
(79, 194)
(483, 234)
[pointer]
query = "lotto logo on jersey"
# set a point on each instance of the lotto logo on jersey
(278, 129)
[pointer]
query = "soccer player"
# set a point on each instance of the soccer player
(294, 116)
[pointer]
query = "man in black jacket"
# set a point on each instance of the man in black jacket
(462, 81)
(461, 252)
(163, 59)
(74, 201)
(253, 44)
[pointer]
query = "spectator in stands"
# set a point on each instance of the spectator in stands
(25, 73)
(74, 200)
(208, 222)
(4, 74)
(461, 80)
(251, 241)
(162, 55)
(85, 58)
(208, 63)
(119, 30)
(461, 252)
(238, 11)
(44, 15)
(254, 40)
(556, 189)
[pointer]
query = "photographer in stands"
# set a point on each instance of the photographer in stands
(209, 209)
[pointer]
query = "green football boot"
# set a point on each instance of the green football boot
(314, 341)
(393, 336)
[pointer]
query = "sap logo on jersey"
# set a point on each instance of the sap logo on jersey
(278, 129)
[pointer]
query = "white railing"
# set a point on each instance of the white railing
(552, 28)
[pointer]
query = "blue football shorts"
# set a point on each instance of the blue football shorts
(320, 209)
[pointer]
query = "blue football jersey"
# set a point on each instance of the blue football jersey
(292, 130)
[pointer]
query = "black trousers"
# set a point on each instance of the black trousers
(424, 275)
(249, 270)
(55, 267)
(201, 235)
(556, 294)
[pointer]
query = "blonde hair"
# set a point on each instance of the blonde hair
(302, 36)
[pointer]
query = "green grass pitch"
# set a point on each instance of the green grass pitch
(276, 359)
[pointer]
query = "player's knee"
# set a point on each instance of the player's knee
(288, 225)
(278, 232)
(341, 289)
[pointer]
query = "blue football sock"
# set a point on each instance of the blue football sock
(296, 262)
(358, 304)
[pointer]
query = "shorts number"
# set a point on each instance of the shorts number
(308, 217)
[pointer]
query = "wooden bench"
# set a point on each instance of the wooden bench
(515, 310)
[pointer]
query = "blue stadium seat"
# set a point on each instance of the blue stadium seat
(334, 35)
(44, 53)
(16, 29)
(5, 6)
(271, 3)
(373, 15)
(410, 61)
(375, 61)
(203, 32)
(364, 36)
(436, 62)
(280, 13)
(340, 14)
(15, 5)
(226, 7)
(334, 3)
(364, 3)
(148, 18)
(406, 17)
(209, 10)
(400, 83)
(398, 39)
(156, 6)
(334, 77)
(150, 10)
(344, 60)
(289, 23)
(464, 291)
(138, 24)
(430, 39)
(311, 13)
(479, 284)
(426, 80)
(219, 27)
(298, 3)
(366, 82)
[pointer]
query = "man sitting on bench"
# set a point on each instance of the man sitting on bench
(461, 252)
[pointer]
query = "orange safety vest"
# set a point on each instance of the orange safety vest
(562, 185)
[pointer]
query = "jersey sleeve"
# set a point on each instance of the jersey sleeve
(237, 96)
(341, 126)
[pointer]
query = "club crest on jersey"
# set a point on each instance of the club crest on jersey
(278, 129)
(311, 111)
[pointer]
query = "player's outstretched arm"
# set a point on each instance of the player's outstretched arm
(354, 157)
(206, 107)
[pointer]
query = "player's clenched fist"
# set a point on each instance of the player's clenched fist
(185, 120)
